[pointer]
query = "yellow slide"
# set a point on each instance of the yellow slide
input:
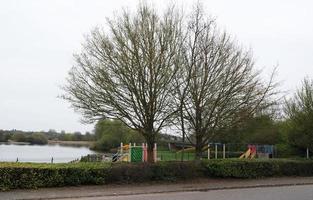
(191, 150)
(186, 150)
(124, 158)
(126, 147)
(248, 154)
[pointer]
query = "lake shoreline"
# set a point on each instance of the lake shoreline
(74, 143)
(17, 143)
(52, 142)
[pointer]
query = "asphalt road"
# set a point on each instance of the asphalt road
(304, 192)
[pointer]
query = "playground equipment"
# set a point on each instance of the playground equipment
(219, 150)
(260, 151)
(250, 153)
(187, 150)
(211, 147)
(216, 145)
(133, 153)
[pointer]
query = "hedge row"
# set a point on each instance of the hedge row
(29, 175)
(161, 171)
(258, 168)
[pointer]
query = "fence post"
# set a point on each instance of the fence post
(224, 148)
(307, 153)
(208, 152)
(215, 151)
(155, 152)
(121, 148)
(143, 152)
(129, 152)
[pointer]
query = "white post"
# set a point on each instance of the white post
(215, 151)
(143, 152)
(121, 148)
(224, 148)
(134, 144)
(129, 152)
(307, 153)
(155, 152)
(208, 152)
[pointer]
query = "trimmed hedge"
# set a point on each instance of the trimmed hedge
(30, 175)
(161, 171)
(258, 168)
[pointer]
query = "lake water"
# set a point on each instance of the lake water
(41, 153)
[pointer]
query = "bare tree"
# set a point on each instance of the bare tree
(217, 86)
(127, 72)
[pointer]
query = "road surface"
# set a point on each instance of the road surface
(304, 192)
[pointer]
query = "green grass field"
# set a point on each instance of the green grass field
(171, 156)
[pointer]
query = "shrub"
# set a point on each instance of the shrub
(258, 168)
(107, 142)
(38, 138)
(19, 137)
(130, 172)
(176, 170)
(242, 169)
(29, 175)
(161, 171)
(91, 158)
(286, 150)
(110, 133)
(34, 138)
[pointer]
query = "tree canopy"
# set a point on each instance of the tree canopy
(218, 86)
(152, 70)
(299, 111)
(110, 133)
(126, 73)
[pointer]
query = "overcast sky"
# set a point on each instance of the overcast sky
(38, 38)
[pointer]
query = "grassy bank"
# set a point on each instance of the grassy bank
(29, 175)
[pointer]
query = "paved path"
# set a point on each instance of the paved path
(196, 187)
(304, 192)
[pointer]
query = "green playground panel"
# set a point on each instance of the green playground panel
(136, 154)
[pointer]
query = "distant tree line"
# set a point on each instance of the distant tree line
(110, 133)
(42, 137)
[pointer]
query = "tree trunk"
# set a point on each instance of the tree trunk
(150, 138)
(198, 147)
(150, 153)
(198, 152)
